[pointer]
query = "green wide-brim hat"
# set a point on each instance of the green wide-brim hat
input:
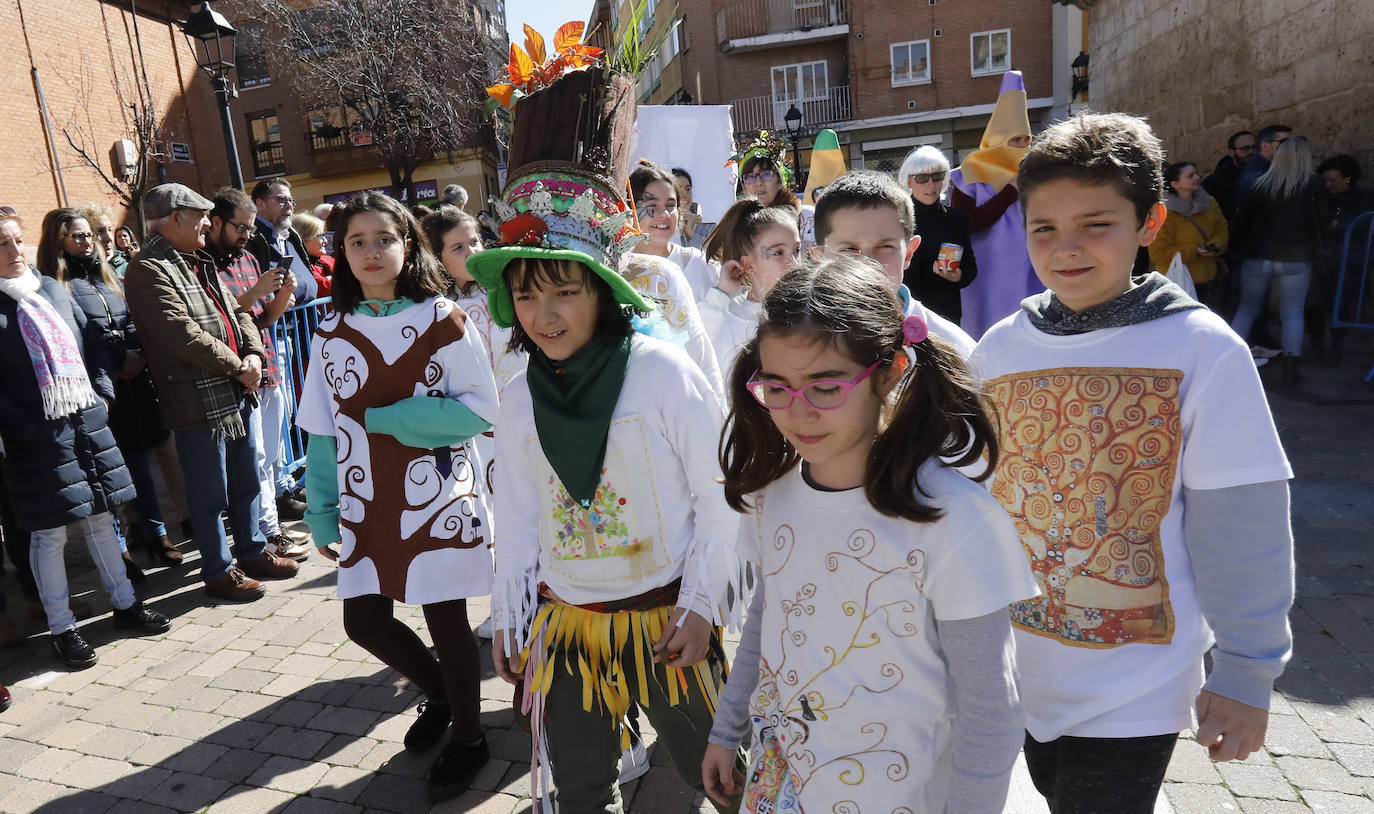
(558, 211)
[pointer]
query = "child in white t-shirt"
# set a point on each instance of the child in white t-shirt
(755, 245)
(876, 665)
(1145, 476)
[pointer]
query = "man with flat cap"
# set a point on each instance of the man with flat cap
(206, 356)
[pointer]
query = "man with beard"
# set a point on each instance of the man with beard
(266, 296)
(1221, 184)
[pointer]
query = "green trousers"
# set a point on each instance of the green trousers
(585, 746)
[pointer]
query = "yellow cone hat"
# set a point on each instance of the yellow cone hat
(827, 164)
(994, 163)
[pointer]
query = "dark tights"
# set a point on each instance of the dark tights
(452, 678)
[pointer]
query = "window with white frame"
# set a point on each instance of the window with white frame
(910, 62)
(798, 84)
(990, 51)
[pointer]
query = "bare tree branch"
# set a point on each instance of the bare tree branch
(410, 71)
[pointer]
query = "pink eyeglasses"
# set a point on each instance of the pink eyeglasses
(823, 395)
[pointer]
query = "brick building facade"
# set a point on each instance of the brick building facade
(1202, 69)
(84, 56)
(886, 77)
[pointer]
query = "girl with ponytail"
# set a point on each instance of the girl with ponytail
(889, 572)
(754, 245)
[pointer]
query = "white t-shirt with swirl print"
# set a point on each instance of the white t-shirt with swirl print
(854, 707)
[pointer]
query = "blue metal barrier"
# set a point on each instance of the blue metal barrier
(1354, 306)
(291, 335)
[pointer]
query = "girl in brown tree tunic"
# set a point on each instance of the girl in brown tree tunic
(397, 387)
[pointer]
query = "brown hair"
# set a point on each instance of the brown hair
(734, 235)
(421, 276)
(864, 189)
(785, 196)
(52, 261)
(936, 410)
(439, 223)
(1096, 149)
(527, 273)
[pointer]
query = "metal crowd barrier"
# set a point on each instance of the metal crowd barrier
(291, 335)
(1354, 306)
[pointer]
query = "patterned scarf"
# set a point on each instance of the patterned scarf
(1152, 297)
(222, 397)
(53, 351)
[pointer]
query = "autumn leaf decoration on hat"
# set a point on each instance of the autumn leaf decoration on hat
(531, 70)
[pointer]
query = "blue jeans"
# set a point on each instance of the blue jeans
(150, 523)
(50, 568)
(1256, 278)
(221, 473)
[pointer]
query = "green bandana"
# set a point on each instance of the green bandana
(573, 401)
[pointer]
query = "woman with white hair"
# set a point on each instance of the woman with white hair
(943, 263)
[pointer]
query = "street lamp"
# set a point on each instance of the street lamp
(212, 39)
(793, 118)
(1080, 75)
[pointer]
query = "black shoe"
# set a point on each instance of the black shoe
(186, 528)
(435, 716)
(72, 650)
(455, 769)
(139, 618)
(131, 569)
(288, 508)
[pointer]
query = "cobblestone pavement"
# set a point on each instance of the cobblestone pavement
(266, 707)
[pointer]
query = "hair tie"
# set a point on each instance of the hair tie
(914, 329)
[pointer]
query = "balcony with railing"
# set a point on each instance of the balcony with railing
(334, 149)
(745, 25)
(766, 113)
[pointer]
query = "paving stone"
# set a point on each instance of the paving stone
(315, 805)
(489, 776)
(476, 802)
(51, 764)
(159, 748)
(284, 685)
(241, 734)
(290, 712)
(394, 793)
(344, 721)
(1192, 798)
(236, 765)
(1318, 775)
(206, 699)
(195, 758)
(185, 723)
(1290, 735)
(251, 800)
(18, 752)
(187, 792)
(31, 795)
(1251, 805)
(288, 774)
(127, 806)
(1358, 759)
(94, 772)
(292, 741)
(139, 784)
(303, 665)
(343, 783)
(1338, 803)
(72, 734)
(243, 680)
(1256, 781)
(219, 663)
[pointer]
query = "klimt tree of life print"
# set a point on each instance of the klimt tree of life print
(1086, 470)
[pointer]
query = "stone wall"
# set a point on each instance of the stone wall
(1202, 69)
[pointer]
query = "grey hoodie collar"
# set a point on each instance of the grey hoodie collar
(1152, 297)
(1199, 204)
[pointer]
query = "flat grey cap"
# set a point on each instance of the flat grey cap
(164, 199)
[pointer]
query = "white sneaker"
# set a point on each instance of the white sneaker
(484, 629)
(1261, 352)
(634, 761)
(284, 546)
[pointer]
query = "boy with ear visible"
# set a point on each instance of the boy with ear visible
(1146, 479)
(865, 213)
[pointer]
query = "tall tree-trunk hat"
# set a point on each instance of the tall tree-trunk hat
(570, 153)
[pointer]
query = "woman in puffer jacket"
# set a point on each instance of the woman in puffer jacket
(68, 254)
(62, 465)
